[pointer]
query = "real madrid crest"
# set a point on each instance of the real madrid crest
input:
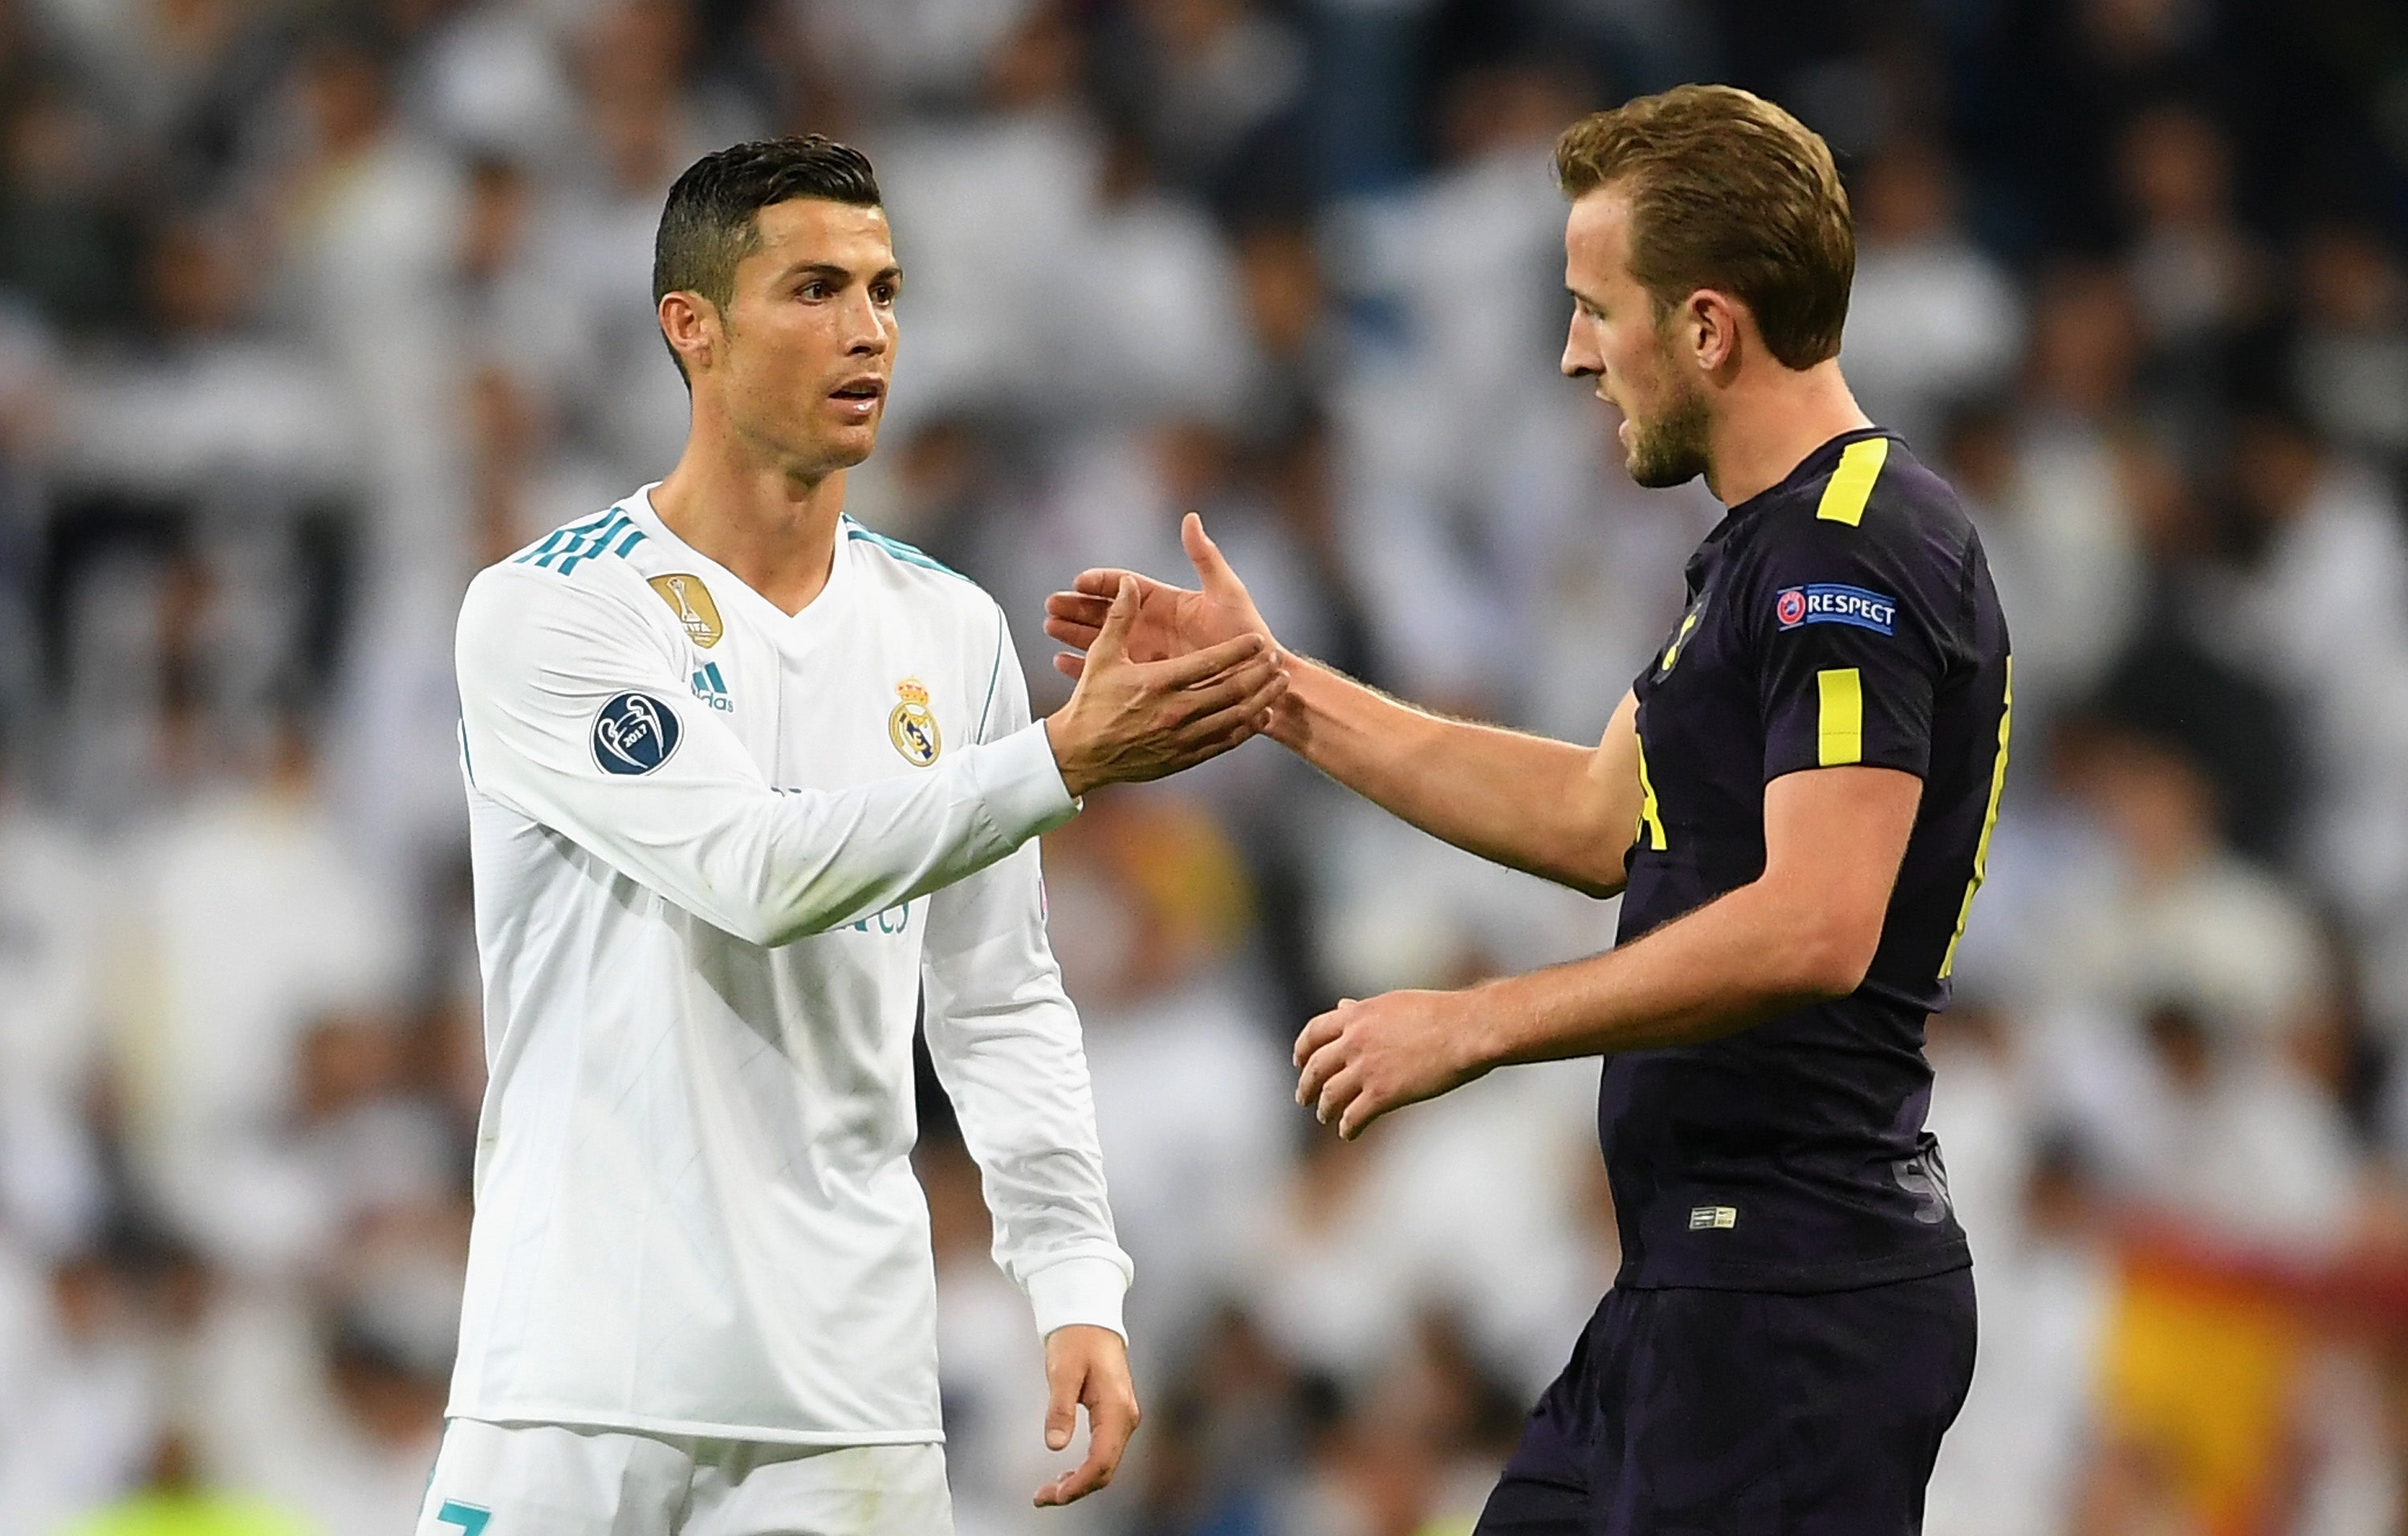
(913, 727)
(690, 600)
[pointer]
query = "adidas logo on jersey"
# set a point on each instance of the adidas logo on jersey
(709, 688)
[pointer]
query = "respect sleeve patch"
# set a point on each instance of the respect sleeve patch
(1827, 602)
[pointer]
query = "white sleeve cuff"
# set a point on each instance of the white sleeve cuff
(1021, 784)
(1086, 1289)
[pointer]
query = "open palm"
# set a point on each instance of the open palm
(1170, 621)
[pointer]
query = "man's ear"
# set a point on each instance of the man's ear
(1712, 327)
(691, 326)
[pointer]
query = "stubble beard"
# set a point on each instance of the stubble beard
(1671, 449)
(805, 446)
(761, 408)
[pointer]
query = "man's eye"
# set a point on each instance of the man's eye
(814, 290)
(883, 294)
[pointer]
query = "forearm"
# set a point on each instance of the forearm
(1005, 1042)
(771, 867)
(835, 857)
(1515, 799)
(573, 714)
(1804, 931)
(1019, 1088)
(1748, 956)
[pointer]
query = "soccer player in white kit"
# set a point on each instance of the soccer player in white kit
(746, 782)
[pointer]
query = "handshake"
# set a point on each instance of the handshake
(1166, 677)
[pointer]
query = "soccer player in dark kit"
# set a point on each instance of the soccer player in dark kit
(1795, 801)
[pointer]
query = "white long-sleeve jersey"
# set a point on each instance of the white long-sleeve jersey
(719, 850)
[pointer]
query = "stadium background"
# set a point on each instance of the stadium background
(305, 313)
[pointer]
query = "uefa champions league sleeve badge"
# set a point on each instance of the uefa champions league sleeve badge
(634, 733)
(913, 727)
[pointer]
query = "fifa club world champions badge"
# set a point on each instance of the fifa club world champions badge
(913, 727)
(690, 600)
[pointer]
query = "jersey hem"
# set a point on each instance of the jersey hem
(1797, 1278)
(644, 1424)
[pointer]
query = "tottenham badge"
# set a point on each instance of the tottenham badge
(913, 727)
(690, 600)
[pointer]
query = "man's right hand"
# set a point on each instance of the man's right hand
(1170, 621)
(1130, 720)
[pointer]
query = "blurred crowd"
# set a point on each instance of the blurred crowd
(308, 310)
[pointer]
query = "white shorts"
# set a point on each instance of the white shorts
(556, 1480)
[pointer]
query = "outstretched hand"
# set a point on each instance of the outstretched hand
(1130, 720)
(1170, 621)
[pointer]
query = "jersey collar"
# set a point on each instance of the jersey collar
(817, 616)
(1815, 463)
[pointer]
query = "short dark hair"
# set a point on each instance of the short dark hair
(707, 224)
(1726, 190)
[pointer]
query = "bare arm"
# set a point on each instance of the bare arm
(1804, 930)
(1557, 811)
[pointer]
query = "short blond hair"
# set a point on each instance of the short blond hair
(1727, 192)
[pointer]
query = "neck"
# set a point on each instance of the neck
(1767, 424)
(771, 525)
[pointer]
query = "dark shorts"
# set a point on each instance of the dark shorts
(1698, 1413)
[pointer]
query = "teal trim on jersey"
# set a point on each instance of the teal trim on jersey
(552, 541)
(616, 536)
(468, 1517)
(994, 677)
(899, 550)
(465, 761)
(613, 533)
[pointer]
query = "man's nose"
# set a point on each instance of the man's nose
(864, 331)
(1580, 360)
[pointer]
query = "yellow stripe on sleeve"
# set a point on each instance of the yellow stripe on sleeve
(1852, 484)
(1650, 832)
(1989, 824)
(1842, 730)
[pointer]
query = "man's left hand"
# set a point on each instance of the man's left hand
(1362, 1059)
(1085, 1365)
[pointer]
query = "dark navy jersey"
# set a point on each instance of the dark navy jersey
(1844, 616)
